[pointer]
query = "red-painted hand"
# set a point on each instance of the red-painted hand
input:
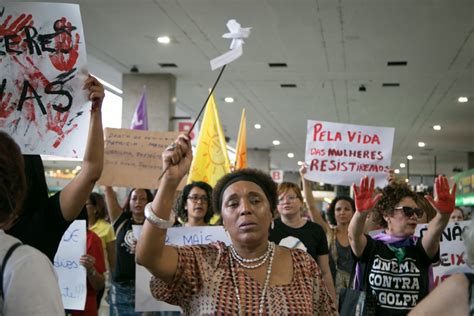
(66, 54)
(59, 124)
(5, 107)
(364, 195)
(16, 26)
(445, 200)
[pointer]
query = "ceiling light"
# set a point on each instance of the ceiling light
(327, 200)
(321, 184)
(163, 40)
(406, 180)
(276, 142)
(409, 157)
(300, 163)
(402, 165)
(421, 144)
(291, 155)
(437, 127)
(229, 99)
(257, 126)
(397, 171)
(463, 99)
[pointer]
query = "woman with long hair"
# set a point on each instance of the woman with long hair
(122, 292)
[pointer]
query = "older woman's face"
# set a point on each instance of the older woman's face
(246, 212)
(399, 224)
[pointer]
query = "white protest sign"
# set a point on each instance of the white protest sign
(452, 251)
(43, 105)
(71, 274)
(342, 154)
(181, 236)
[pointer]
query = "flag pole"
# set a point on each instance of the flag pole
(200, 112)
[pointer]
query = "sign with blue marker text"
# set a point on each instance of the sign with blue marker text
(71, 274)
(180, 236)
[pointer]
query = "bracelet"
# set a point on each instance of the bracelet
(155, 220)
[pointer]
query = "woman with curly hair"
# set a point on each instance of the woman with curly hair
(193, 205)
(396, 264)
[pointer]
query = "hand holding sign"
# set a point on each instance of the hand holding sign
(96, 92)
(445, 200)
(364, 195)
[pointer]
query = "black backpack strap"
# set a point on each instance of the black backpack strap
(4, 263)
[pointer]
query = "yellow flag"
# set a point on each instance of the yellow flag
(241, 151)
(210, 160)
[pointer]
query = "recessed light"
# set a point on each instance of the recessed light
(406, 180)
(421, 144)
(276, 142)
(291, 155)
(409, 157)
(257, 126)
(463, 99)
(402, 165)
(437, 127)
(229, 99)
(163, 40)
(397, 171)
(321, 184)
(300, 163)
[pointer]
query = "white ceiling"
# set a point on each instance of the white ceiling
(331, 48)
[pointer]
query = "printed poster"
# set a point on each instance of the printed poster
(42, 72)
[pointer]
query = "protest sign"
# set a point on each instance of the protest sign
(132, 158)
(71, 274)
(342, 154)
(451, 250)
(181, 236)
(43, 105)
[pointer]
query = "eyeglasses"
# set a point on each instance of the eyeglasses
(409, 211)
(289, 198)
(196, 198)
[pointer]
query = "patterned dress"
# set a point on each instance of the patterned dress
(203, 285)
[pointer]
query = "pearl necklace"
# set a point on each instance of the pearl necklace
(265, 283)
(261, 260)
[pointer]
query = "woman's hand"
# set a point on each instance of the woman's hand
(445, 200)
(364, 195)
(303, 170)
(96, 92)
(88, 262)
(177, 158)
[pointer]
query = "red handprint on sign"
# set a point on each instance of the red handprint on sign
(66, 54)
(59, 124)
(17, 25)
(5, 107)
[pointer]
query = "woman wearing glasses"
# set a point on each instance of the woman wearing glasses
(294, 231)
(395, 263)
(192, 205)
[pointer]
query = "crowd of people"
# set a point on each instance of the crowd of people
(277, 262)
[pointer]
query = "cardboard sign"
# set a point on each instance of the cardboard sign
(181, 236)
(342, 154)
(132, 158)
(71, 274)
(43, 105)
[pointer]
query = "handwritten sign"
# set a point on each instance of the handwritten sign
(42, 72)
(71, 274)
(133, 158)
(342, 154)
(181, 236)
(452, 251)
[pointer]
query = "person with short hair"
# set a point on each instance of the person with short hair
(250, 276)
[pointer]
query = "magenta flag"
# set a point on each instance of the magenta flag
(140, 117)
